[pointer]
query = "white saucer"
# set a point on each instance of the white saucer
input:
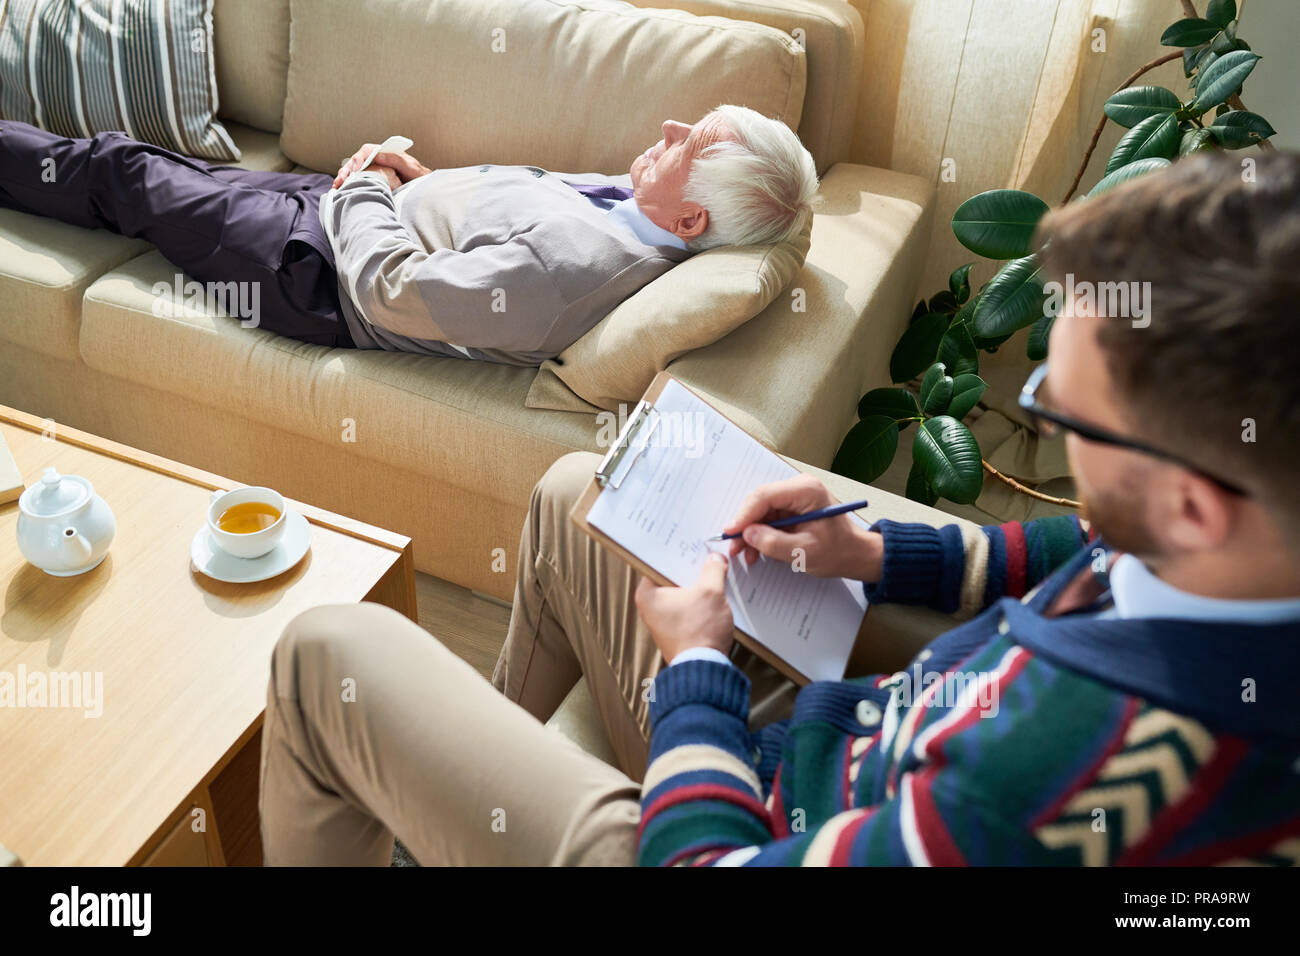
(288, 551)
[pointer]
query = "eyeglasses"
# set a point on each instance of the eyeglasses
(1049, 423)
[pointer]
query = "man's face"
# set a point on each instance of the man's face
(1115, 485)
(659, 175)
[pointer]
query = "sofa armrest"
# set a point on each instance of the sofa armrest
(793, 374)
(891, 634)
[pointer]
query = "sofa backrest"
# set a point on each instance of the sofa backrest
(251, 41)
(437, 61)
(831, 33)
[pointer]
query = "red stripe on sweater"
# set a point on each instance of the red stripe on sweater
(1017, 558)
(1019, 661)
(1206, 785)
(1116, 744)
(780, 826)
(703, 791)
(939, 845)
(842, 855)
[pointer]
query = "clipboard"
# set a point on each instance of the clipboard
(633, 440)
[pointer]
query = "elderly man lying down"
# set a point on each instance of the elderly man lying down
(504, 263)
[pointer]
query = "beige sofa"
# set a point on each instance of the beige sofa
(446, 450)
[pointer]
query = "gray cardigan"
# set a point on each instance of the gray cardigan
(504, 263)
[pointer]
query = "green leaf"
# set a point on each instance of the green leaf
(949, 457)
(1013, 299)
(919, 311)
(1195, 141)
(957, 350)
(1192, 31)
(1240, 128)
(918, 489)
(998, 224)
(959, 283)
(1125, 173)
(1222, 78)
(918, 347)
(936, 389)
(867, 449)
(1131, 106)
(966, 393)
(945, 302)
(1036, 346)
(1190, 57)
(1203, 63)
(1225, 41)
(1221, 12)
(895, 403)
(1154, 136)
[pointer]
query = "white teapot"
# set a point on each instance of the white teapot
(64, 528)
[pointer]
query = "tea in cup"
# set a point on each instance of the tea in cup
(246, 522)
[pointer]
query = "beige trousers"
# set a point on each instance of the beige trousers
(574, 616)
(374, 728)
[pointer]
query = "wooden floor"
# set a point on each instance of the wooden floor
(471, 625)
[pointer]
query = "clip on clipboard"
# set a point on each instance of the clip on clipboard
(674, 528)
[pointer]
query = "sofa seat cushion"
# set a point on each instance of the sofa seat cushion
(46, 265)
(463, 421)
(258, 149)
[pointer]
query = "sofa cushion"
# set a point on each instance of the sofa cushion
(832, 32)
(693, 304)
(251, 41)
(521, 82)
(143, 66)
(462, 421)
(45, 265)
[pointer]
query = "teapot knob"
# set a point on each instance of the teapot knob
(51, 477)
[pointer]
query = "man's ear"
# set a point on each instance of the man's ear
(693, 221)
(1204, 515)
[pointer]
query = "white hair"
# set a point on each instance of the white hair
(758, 189)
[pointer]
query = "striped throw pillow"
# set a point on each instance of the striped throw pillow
(144, 67)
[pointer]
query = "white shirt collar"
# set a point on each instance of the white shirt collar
(629, 213)
(1140, 594)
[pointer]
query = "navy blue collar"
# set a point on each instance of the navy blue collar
(1206, 670)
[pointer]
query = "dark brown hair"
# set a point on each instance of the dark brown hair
(1218, 238)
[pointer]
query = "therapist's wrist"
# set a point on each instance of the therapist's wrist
(867, 556)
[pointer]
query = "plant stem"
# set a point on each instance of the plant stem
(1101, 126)
(1067, 502)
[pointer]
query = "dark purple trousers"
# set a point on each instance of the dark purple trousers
(216, 223)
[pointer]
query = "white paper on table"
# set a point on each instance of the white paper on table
(686, 486)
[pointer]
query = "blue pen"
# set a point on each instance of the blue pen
(799, 519)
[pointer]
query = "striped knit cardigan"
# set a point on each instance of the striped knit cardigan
(1015, 738)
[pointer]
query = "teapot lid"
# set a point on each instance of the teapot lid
(55, 494)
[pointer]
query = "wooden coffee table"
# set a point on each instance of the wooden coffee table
(168, 773)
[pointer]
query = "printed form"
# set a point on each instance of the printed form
(687, 484)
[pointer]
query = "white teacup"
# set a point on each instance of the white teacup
(255, 543)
